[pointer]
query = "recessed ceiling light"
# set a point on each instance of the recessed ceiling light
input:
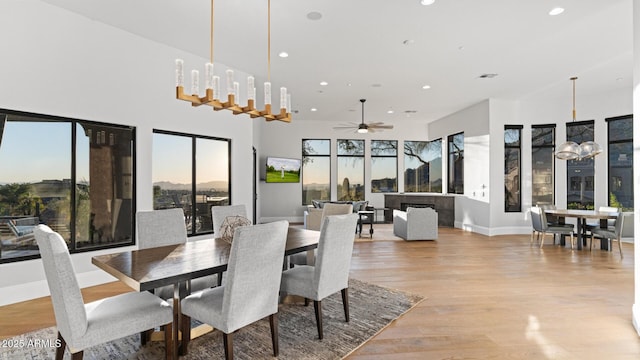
(314, 109)
(283, 54)
(324, 83)
(427, 2)
(556, 11)
(389, 111)
(314, 15)
(426, 87)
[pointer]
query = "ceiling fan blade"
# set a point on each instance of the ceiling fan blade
(381, 126)
(345, 127)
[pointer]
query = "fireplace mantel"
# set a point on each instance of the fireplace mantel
(443, 204)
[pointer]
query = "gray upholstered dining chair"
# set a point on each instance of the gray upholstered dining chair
(610, 233)
(330, 273)
(590, 225)
(251, 290)
(329, 209)
(167, 227)
(542, 228)
(219, 213)
(81, 325)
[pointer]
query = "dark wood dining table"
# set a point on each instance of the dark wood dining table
(582, 216)
(175, 265)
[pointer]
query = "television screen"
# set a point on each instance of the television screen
(283, 170)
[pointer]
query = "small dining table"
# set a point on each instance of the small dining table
(582, 216)
(147, 269)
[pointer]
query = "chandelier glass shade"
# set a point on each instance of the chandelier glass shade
(213, 96)
(570, 150)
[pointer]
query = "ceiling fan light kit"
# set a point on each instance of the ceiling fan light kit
(212, 95)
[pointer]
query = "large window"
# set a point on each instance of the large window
(75, 176)
(580, 183)
(316, 170)
(512, 173)
(384, 166)
(423, 166)
(620, 165)
(543, 146)
(350, 169)
(456, 163)
(191, 172)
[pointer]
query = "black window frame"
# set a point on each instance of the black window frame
(587, 165)
(451, 170)
(518, 147)
(194, 138)
(628, 139)
(339, 156)
(374, 156)
(315, 155)
(72, 246)
(551, 146)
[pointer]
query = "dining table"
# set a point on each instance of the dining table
(176, 265)
(582, 216)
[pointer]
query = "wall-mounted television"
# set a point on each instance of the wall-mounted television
(282, 170)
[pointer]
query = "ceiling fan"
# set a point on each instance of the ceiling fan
(363, 127)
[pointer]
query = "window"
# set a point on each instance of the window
(423, 166)
(512, 161)
(75, 176)
(456, 163)
(384, 166)
(191, 172)
(543, 146)
(316, 170)
(580, 173)
(351, 170)
(620, 162)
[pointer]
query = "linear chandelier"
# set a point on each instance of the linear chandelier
(212, 95)
(571, 150)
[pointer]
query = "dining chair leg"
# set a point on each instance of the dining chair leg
(60, 349)
(345, 303)
(619, 247)
(542, 239)
(227, 339)
(317, 304)
(571, 239)
(273, 322)
(77, 356)
(306, 302)
(168, 341)
(145, 336)
(186, 334)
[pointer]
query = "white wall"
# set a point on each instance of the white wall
(58, 63)
(284, 201)
(472, 210)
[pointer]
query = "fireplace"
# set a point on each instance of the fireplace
(404, 206)
(443, 204)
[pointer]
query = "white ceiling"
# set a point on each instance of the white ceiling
(357, 47)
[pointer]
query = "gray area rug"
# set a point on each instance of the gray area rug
(372, 308)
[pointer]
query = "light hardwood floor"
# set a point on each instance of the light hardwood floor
(486, 298)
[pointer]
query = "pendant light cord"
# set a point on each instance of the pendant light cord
(211, 39)
(574, 97)
(269, 41)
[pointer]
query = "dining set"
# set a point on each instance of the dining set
(224, 283)
(606, 223)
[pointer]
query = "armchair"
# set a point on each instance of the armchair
(416, 224)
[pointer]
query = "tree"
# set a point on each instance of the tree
(18, 199)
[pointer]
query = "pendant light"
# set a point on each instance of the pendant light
(571, 150)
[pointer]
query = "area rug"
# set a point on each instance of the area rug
(372, 308)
